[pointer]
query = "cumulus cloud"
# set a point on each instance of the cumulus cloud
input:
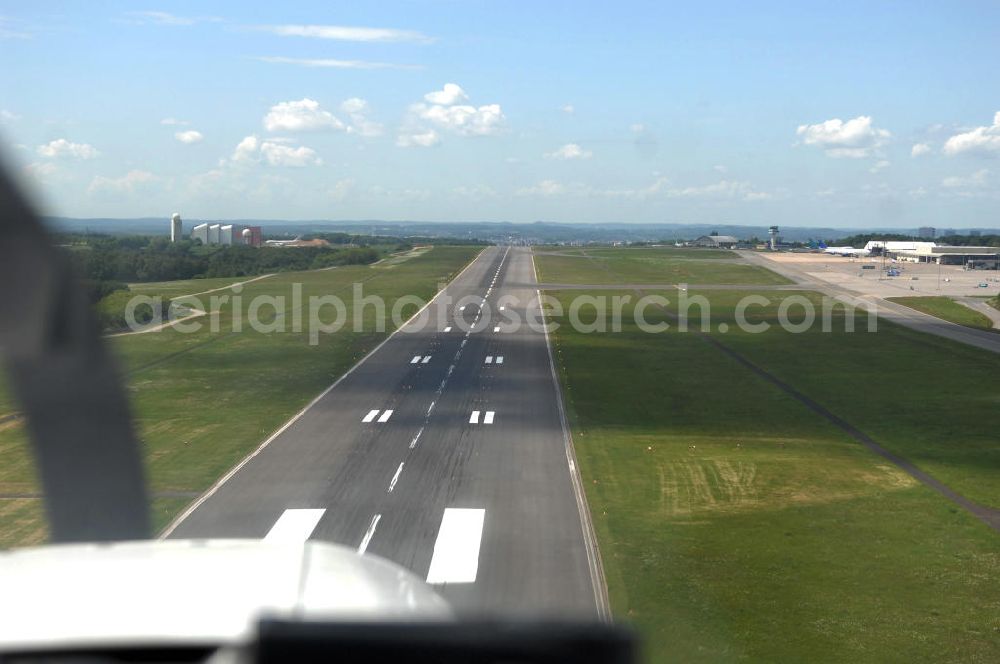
(450, 94)
(569, 151)
(347, 33)
(274, 152)
(444, 112)
(125, 184)
(8, 116)
(568, 109)
(981, 140)
(879, 165)
(357, 111)
(855, 139)
(190, 136)
(920, 149)
(302, 115)
(64, 149)
(342, 189)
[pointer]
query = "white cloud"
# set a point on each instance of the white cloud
(920, 149)
(190, 136)
(62, 148)
(348, 33)
(719, 168)
(275, 152)
(450, 94)
(853, 139)
(446, 113)
(40, 169)
(127, 183)
(463, 119)
(568, 109)
(879, 165)
(981, 140)
(160, 18)
(569, 151)
(342, 189)
(12, 29)
(301, 115)
(174, 122)
(331, 63)
(543, 188)
(8, 116)
(726, 189)
(357, 112)
(421, 138)
(977, 180)
(637, 128)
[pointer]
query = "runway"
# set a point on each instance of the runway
(444, 450)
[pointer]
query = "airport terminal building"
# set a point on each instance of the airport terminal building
(977, 258)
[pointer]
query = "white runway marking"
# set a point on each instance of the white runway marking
(416, 358)
(502, 307)
(474, 418)
(413, 443)
(456, 550)
(461, 308)
(489, 359)
(429, 409)
(488, 419)
(427, 358)
(370, 416)
(447, 329)
(369, 533)
(395, 478)
(385, 416)
(496, 329)
(294, 526)
(499, 359)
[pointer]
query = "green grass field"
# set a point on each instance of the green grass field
(646, 265)
(947, 309)
(737, 525)
(202, 401)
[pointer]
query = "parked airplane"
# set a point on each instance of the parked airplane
(844, 251)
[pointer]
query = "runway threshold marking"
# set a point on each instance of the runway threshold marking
(385, 416)
(294, 525)
(474, 418)
(489, 359)
(499, 359)
(366, 540)
(456, 550)
(447, 329)
(496, 329)
(488, 418)
(370, 416)
(427, 358)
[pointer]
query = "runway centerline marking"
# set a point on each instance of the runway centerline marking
(496, 329)
(488, 419)
(385, 416)
(474, 418)
(413, 443)
(456, 550)
(370, 416)
(369, 533)
(294, 525)
(395, 478)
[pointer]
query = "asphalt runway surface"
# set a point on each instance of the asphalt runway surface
(444, 450)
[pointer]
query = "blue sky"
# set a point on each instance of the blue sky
(814, 114)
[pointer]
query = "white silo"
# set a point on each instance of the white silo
(176, 227)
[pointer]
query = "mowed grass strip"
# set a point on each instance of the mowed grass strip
(203, 400)
(737, 525)
(645, 265)
(947, 309)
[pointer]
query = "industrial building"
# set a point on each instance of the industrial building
(981, 258)
(718, 241)
(176, 227)
(228, 234)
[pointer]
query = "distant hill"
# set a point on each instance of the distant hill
(539, 231)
